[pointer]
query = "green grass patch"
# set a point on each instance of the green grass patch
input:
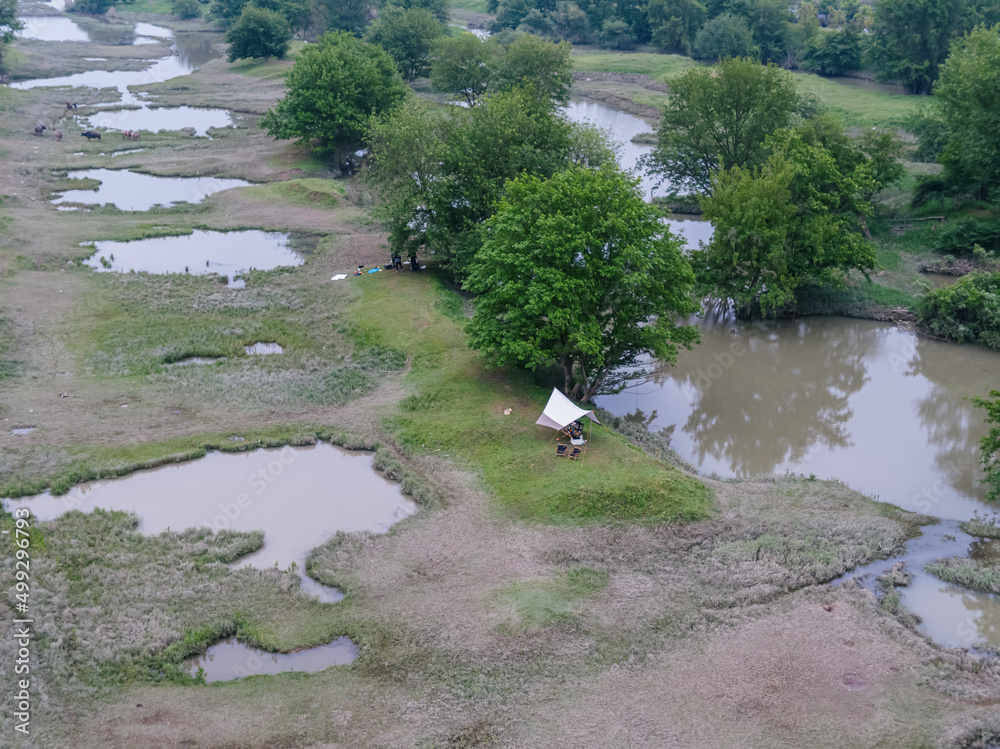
(456, 408)
(157, 7)
(860, 107)
(635, 63)
(542, 603)
(324, 193)
(478, 6)
(268, 69)
(968, 573)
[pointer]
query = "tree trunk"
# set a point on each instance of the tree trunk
(568, 377)
(864, 226)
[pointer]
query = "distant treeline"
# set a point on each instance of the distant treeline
(904, 40)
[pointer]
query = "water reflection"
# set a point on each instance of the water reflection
(52, 29)
(850, 399)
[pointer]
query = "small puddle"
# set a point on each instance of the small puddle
(236, 283)
(52, 29)
(122, 153)
(263, 349)
(231, 659)
(189, 360)
(157, 119)
(22, 431)
(299, 496)
(131, 191)
(198, 253)
(940, 280)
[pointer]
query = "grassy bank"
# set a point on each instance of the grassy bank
(457, 406)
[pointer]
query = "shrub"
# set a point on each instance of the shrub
(186, 9)
(959, 236)
(258, 33)
(967, 312)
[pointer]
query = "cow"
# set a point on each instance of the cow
(39, 129)
(126, 134)
(134, 135)
(91, 134)
(70, 105)
(58, 135)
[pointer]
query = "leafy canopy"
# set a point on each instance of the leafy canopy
(719, 118)
(990, 444)
(910, 39)
(966, 312)
(577, 271)
(790, 222)
(407, 34)
(258, 32)
(968, 99)
(675, 23)
(10, 24)
(464, 65)
(724, 36)
(441, 175)
(333, 89)
(542, 64)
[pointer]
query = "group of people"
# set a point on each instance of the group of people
(397, 262)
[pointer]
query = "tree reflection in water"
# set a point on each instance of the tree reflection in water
(952, 423)
(786, 388)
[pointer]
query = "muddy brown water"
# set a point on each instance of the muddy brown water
(198, 253)
(300, 497)
(132, 191)
(231, 659)
(863, 402)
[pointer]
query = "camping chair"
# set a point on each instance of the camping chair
(577, 452)
(561, 450)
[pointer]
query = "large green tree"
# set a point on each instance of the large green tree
(968, 98)
(333, 89)
(724, 36)
(440, 176)
(768, 21)
(543, 64)
(834, 53)
(910, 39)
(10, 24)
(675, 24)
(346, 15)
(440, 8)
(718, 118)
(407, 34)
(258, 32)
(576, 271)
(790, 222)
(464, 65)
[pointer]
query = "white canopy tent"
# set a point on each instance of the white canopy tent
(560, 412)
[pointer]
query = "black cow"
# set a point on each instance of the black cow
(91, 134)
(39, 129)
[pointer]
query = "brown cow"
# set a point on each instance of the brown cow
(58, 135)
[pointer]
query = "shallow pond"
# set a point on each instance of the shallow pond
(300, 497)
(863, 402)
(52, 29)
(156, 119)
(231, 659)
(131, 191)
(264, 349)
(623, 128)
(198, 253)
